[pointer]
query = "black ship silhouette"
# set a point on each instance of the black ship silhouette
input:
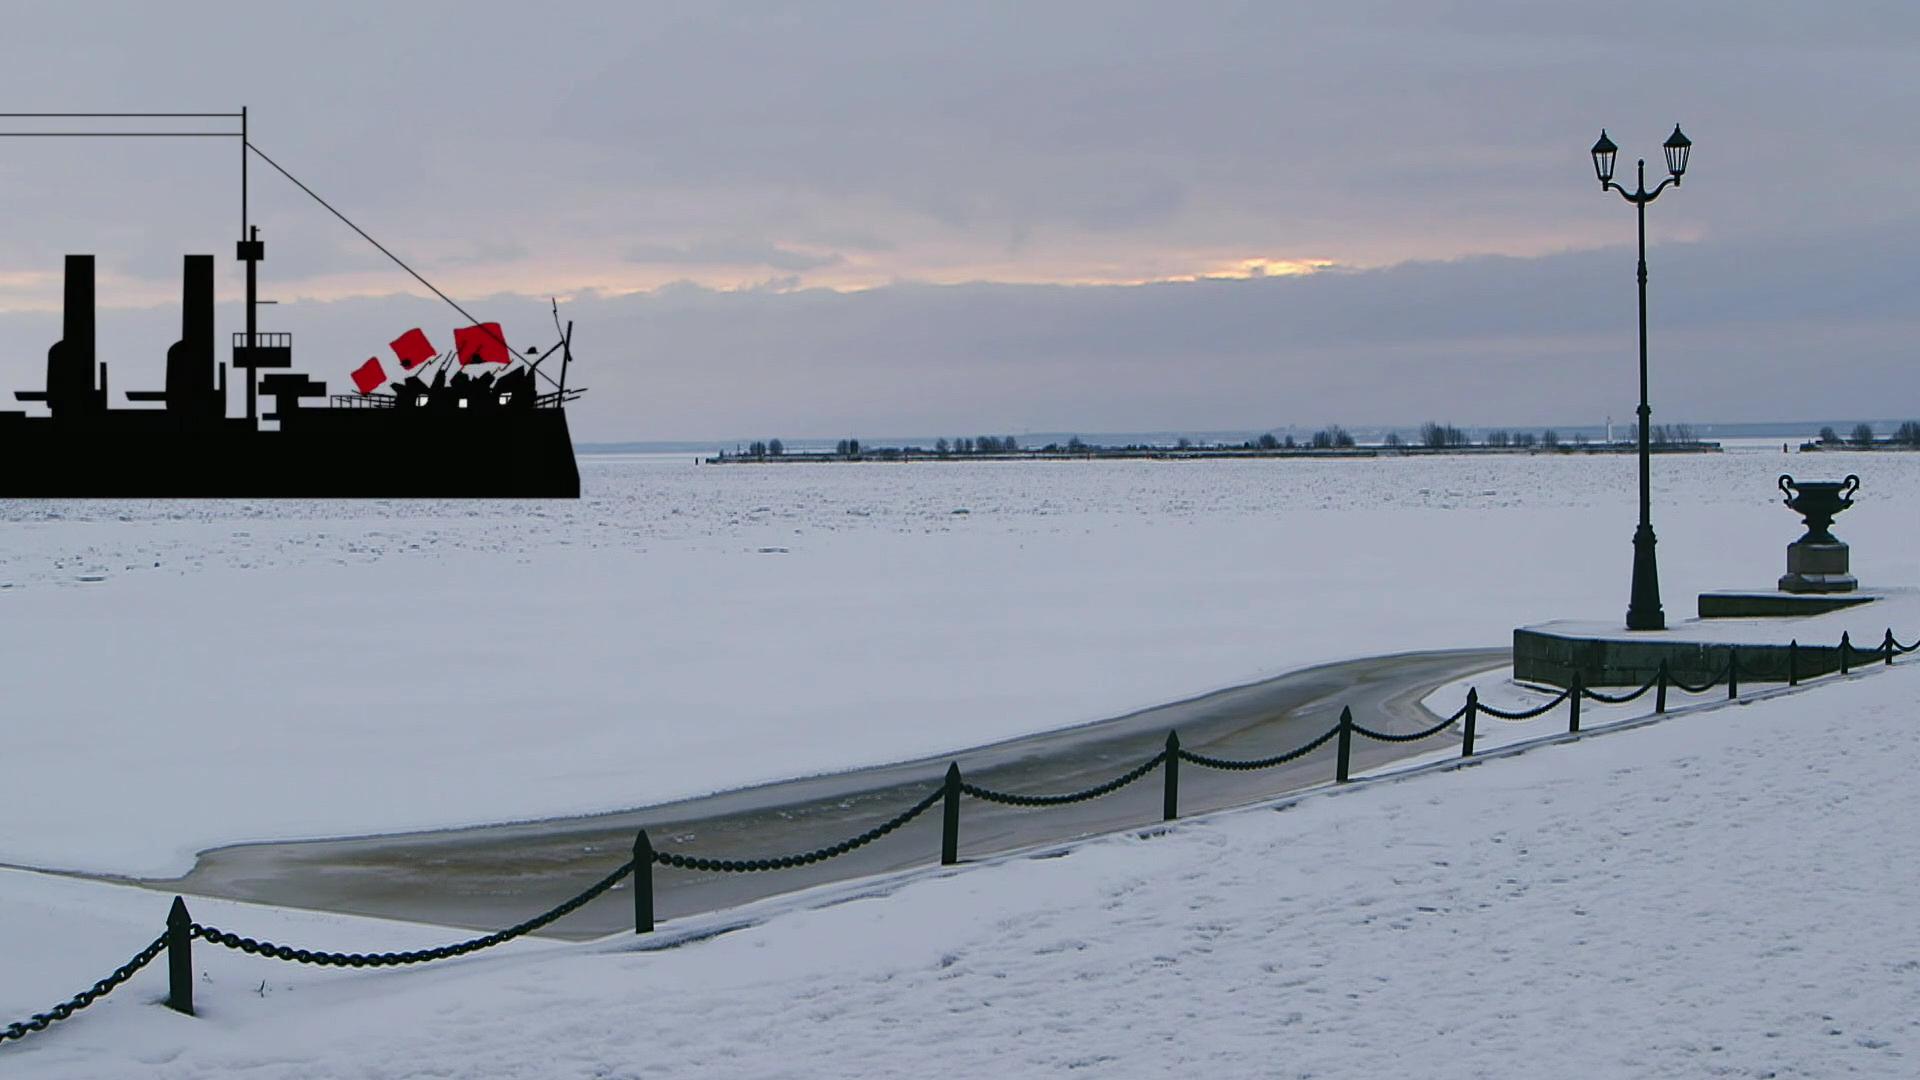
(357, 445)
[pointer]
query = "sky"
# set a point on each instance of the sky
(814, 220)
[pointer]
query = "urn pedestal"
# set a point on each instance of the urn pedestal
(1817, 562)
(1817, 568)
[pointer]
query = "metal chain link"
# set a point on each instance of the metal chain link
(1856, 652)
(745, 866)
(1622, 699)
(1704, 687)
(1259, 763)
(417, 956)
(1525, 714)
(19, 1029)
(1094, 792)
(1411, 736)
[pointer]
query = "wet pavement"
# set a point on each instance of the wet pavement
(492, 876)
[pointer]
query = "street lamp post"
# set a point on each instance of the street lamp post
(1643, 609)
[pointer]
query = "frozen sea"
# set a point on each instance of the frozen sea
(263, 670)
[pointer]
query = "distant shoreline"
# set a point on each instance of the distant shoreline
(905, 454)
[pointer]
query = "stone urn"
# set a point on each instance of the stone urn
(1817, 562)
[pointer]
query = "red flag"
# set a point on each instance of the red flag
(413, 349)
(370, 376)
(482, 344)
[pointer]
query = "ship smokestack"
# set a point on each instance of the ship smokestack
(70, 362)
(76, 321)
(190, 388)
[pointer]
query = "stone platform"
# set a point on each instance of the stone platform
(1695, 650)
(1774, 604)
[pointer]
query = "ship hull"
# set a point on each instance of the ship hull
(337, 453)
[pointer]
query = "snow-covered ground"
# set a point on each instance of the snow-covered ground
(1725, 893)
(253, 670)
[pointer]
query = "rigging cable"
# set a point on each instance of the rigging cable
(315, 196)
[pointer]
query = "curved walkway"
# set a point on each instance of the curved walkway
(491, 876)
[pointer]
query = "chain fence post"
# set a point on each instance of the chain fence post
(1170, 799)
(1473, 716)
(1888, 646)
(1660, 691)
(1733, 673)
(1846, 646)
(180, 958)
(1573, 704)
(642, 884)
(950, 819)
(1793, 662)
(1340, 768)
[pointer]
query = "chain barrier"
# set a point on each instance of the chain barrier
(417, 956)
(1259, 763)
(1525, 714)
(1094, 792)
(19, 1029)
(784, 862)
(1703, 687)
(41, 1021)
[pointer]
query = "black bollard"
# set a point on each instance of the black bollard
(642, 884)
(1846, 646)
(1573, 705)
(180, 958)
(1887, 645)
(1733, 673)
(1793, 662)
(1170, 800)
(1340, 769)
(1660, 690)
(950, 819)
(1473, 716)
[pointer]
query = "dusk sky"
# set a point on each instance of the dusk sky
(814, 220)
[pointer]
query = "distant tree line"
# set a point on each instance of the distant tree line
(983, 444)
(1862, 435)
(1433, 435)
(1331, 437)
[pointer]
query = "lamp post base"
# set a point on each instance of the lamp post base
(1643, 610)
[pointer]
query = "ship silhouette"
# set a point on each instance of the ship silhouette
(391, 439)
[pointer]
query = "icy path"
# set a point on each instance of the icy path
(488, 877)
(1725, 893)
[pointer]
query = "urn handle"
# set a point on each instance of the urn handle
(1847, 487)
(1787, 485)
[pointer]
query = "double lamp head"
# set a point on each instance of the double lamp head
(1677, 147)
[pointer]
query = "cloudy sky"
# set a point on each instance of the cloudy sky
(816, 220)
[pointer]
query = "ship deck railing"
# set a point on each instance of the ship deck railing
(365, 401)
(552, 400)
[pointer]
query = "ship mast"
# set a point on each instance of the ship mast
(250, 251)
